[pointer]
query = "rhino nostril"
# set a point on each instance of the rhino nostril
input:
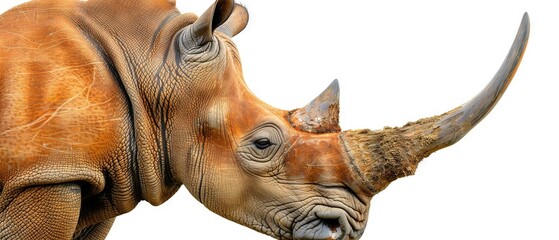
(335, 228)
(325, 223)
(320, 228)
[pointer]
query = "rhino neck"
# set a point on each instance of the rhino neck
(138, 54)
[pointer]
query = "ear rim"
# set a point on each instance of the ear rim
(202, 30)
(237, 21)
(225, 8)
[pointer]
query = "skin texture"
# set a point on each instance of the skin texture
(108, 103)
(73, 111)
(100, 113)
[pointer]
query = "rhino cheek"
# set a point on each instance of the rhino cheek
(220, 185)
(215, 113)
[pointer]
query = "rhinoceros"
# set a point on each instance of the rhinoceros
(106, 103)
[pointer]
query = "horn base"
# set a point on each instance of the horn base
(382, 156)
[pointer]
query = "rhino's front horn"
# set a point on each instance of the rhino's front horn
(382, 156)
(321, 115)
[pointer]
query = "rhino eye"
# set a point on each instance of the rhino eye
(262, 143)
(261, 148)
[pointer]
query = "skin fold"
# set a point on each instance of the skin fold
(104, 104)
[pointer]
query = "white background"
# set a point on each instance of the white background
(398, 61)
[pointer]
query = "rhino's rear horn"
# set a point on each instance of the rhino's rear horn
(201, 31)
(321, 115)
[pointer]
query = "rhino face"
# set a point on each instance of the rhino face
(295, 174)
(259, 165)
(292, 183)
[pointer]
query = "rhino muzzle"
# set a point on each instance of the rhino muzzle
(380, 157)
(327, 223)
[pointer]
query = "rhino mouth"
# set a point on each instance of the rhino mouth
(327, 223)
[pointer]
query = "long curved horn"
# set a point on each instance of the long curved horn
(382, 156)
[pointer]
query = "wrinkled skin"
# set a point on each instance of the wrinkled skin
(104, 104)
(104, 115)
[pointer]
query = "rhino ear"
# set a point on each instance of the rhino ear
(236, 22)
(201, 31)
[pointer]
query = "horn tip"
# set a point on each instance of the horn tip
(334, 87)
(525, 24)
(335, 82)
(526, 16)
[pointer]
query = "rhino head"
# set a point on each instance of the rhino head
(295, 174)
